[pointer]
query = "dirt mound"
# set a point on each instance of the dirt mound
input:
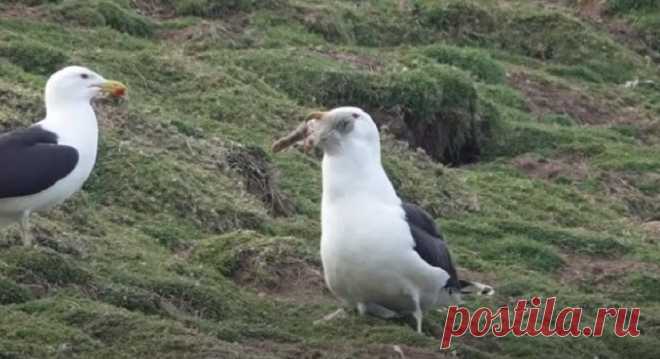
(545, 97)
(155, 8)
(260, 178)
(641, 204)
(275, 265)
(612, 275)
(550, 169)
(653, 228)
(321, 351)
(289, 276)
(357, 61)
(16, 10)
(436, 106)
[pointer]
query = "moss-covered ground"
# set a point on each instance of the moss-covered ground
(192, 240)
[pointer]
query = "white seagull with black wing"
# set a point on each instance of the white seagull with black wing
(43, 165)
(380, 255)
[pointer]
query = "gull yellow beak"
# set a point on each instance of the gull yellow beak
(114, 88)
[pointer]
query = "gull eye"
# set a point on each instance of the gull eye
(84, 76)
(355, 115)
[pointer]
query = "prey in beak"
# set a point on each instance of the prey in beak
(305, 133)
(113, 88)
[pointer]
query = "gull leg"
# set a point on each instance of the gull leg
(399, 351)
(418, 314)
(418, 317)
(25, 229)
(362, 309)
(339, 313)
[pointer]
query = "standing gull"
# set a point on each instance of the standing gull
(380, 255)
(43, 165)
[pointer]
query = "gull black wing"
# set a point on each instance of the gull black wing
(429, 243)
(31, 161)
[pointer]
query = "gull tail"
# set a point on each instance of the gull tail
(475, 288)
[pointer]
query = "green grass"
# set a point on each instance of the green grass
(113, 14)
(176, 246)
(11, 293)
(478, 62)
(629, 5)
(33, 56)
(644, 16)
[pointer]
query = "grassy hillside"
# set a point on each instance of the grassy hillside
(192, 240)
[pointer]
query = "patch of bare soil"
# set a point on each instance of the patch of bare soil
(595, 271)
(18, 10)
(624, 33)
(545, 97)
(628, 188)
(230, 29)
(290, 278)
(653, 230)
(601, 273)
(588, 9)
(357, 61)
(370, 351)
(649, 132)
(154, 8)
(625, 187)
(201, 30)
(595, 12)
(550, 169)
(591, 9)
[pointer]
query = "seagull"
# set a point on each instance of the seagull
(380, 255)
(46, 163)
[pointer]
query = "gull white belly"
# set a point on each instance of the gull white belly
(367, 260)
(85, 141)
(54, 195)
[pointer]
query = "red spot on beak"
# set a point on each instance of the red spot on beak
(114, 88)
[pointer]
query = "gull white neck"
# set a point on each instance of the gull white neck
(353, 172)
(76, 126)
